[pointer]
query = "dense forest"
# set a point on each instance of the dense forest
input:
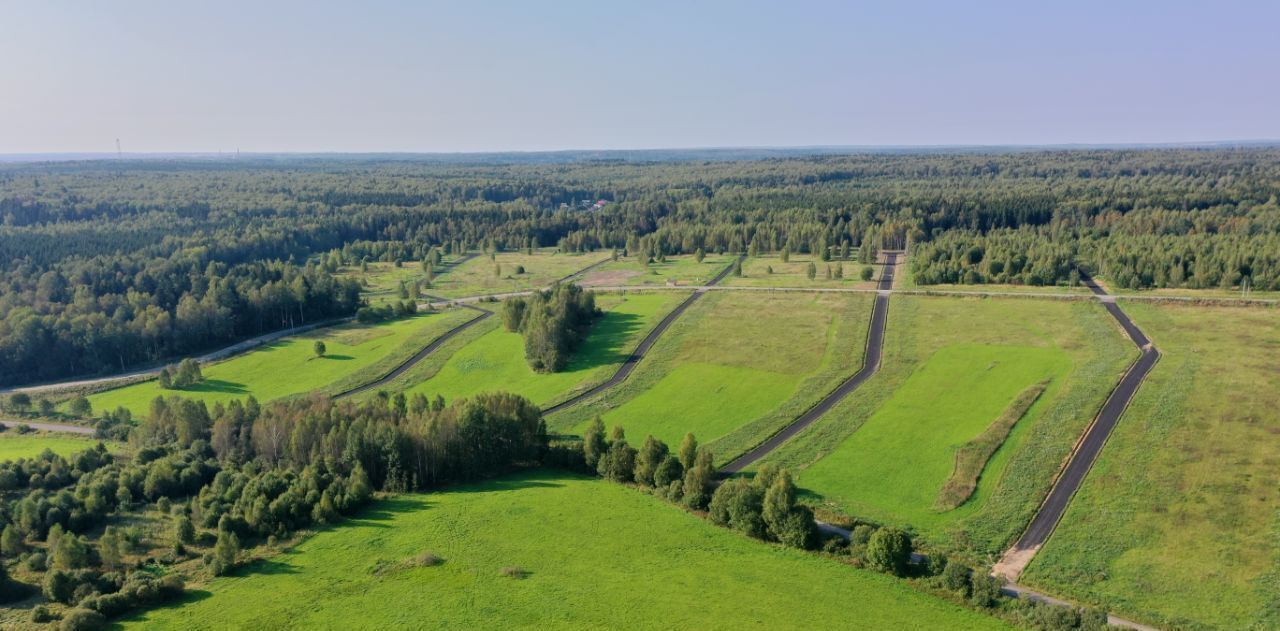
(109, 265)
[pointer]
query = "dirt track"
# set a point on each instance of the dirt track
(870, 364)
(1015, 560)
(629, 364)
(48, 427)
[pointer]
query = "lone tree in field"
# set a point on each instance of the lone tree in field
(319, 348)
(812, 272)
(20, 402)
(80, 407)
(699, 255)
(868, 272)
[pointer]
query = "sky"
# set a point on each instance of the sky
(382, 76)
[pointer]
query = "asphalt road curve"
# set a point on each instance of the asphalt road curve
(421, 355)
(629, 364)
(870, 364)
(1094, 438)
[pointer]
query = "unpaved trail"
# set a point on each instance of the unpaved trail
(48, 427)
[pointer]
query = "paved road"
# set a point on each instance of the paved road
(870, 364)
(48, 427)
(421, 355)
(629, 364)
(1015, 560)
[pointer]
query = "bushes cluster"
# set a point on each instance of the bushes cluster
(184, 375)
(372, 314)
(553, 323)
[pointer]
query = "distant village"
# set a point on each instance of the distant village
(585, 204)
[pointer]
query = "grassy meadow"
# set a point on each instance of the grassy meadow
(496, 360)
(591, 555)
(356, 353)
(677, 270)
(735, 368)
(14, 445)
(480, 275)
(382, 280)
(795, 273)
(950, 367)
(1177, 523)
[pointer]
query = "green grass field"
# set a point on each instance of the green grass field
(382, 280)
(735, 368)
(1177, 523)
(496, 360)
(14, 445)
(794, 273)
(542, 268)
(289, 366)
(594, 556)
(898, 461)
(679, 270)
(950, 367)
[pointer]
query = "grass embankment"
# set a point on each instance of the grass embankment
(591, 555)
(795, 273)
(543, 267)
(972, 457)
(678, 270)
(496, 360)
(734, 368)
(950, 366)
(1177, 523)
(14, 445)
(356, 353)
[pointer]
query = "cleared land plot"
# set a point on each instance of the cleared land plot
(496, 359)
(735, 368)
(898, 461)
(795, 273)
(382, 280)
(678, 270)
(355, 353)
(14, 445)
(1177, 523)
(951, 366)
(483, 276)
(581, 544)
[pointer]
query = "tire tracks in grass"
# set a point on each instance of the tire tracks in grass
(870, 364)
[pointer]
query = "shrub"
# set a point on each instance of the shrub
(956, 577)
(40, 614)
(889, 550)
(513, 572)
(80, 619)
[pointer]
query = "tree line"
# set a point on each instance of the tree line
(554, 324)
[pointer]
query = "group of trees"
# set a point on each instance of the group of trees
(553, 323)
(107, 266)
(184, 375)
(228, 477)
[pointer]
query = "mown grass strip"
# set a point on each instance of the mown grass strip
(972, 457)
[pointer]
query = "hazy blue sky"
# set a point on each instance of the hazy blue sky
(474, 76)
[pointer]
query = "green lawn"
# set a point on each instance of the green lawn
(479, 276)
(794, 273)
(894, 466)
(735, 368)
(950, 367)
(14, 445)
(595, 556)
(382, 280)
(496, 360)
(678, 270)
(289, 366)
(1178, 523)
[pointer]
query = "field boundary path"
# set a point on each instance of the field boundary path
(629, 364)
(1085, 453)
(420, 355)
(48, 427)
(870, 364)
